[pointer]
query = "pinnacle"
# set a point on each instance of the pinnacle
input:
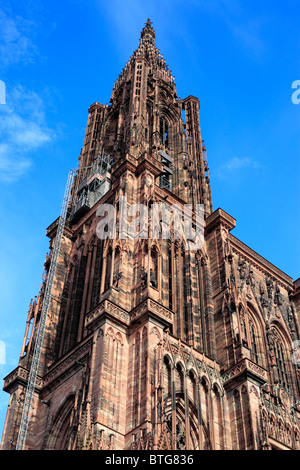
(148, 50)
(149, 23)
(148, 32)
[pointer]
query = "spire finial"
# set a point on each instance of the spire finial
(148, 30)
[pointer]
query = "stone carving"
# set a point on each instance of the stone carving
(252, 281)
(232, 277)
(254, 390)
(240, 367)
(289, 315)
(290, 321)
(153, 280)
(108, 307)
(242, 269)
(278, 297)
(66, 366)
(116, 279)
(264, 301)
(144, 277)
(270, 285)
(154, 331)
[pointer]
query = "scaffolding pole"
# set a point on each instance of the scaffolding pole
(42, 323)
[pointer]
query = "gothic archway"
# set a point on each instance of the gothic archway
(62, 430)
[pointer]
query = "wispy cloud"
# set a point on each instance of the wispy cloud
(246, 27)
(22, 130)
(236, 167)
(15, 40)
(236, 163)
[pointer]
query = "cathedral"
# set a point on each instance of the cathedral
(148, 342)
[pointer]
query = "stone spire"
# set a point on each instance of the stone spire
(152, 55)
(148, 32)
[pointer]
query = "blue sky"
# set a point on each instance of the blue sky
(57, 58)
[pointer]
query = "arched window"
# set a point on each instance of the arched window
(254, 337)
(63, 434)
(205, 411)
(117, 273)
(108, 269)
(192, 388)
(167, 383)
(179, 379)
(218, 418)
(97, 275)
(254, 345)
(164, 131)
(244, 332)
(170, 277)
(239, 428)
(281, 364)
(154, 268)
(185, 290)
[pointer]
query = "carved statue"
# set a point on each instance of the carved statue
(116, 279)
(251, 277)
(144, 277)
(232, 277)
(289, 315)
(159, 411)
(272, 357)
(242, 268)
(153, 280)
(263, 297)
(278, 298)
(270, 285)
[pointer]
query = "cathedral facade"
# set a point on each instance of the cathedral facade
(151, 343)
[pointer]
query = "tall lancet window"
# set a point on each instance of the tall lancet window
(164, 131)
(254, 346)
(281, 364)
(170, 292)
(117, 272)
(108, 268)
(154, 268)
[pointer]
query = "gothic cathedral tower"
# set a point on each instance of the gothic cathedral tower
(148, 344)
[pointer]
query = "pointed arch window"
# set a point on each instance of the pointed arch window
(281, 364)
(108, 268)
(254, 345)
(167, 381)
(164, 131)
(244, 332)
(170, 281)
(179, 379)
(117, 272)
(154, 268)
(252, 336)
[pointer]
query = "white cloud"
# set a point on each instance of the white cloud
(22, 130)
(15, 40)
(22, 119)
(236, 163)
(10, 168)
(237, 167)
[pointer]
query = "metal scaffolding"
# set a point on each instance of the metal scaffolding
(42, 323)
(102, 165)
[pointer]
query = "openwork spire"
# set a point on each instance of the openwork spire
(148, 51)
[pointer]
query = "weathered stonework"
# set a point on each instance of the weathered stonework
(149, 345)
